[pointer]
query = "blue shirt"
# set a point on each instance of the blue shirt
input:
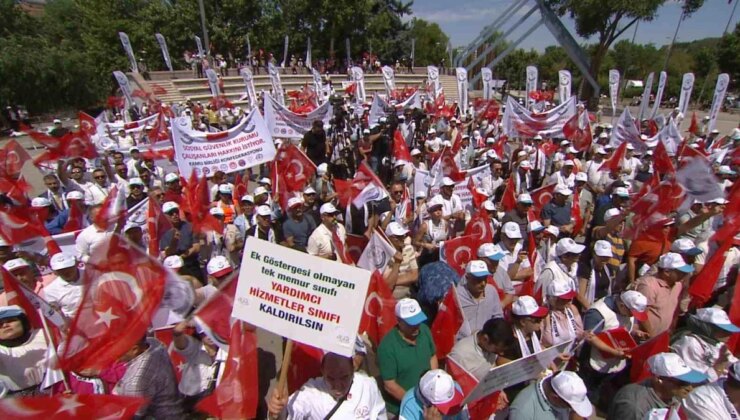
(413, 409)
(55, 225)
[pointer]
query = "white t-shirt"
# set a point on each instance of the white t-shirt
(90, 239)
(320, 242)
(708, 402)
(434, 145)
(453, 205)
(199, 368)
(65, 295)
(313, 401)
(23, 366)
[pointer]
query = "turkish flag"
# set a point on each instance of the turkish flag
(480, 227)
(159, 130)
(123, 287)
(731, 216)
(214, 315)
(657, 204)
(482, 408)
(575, 213)
(615, 161)
(378, 314)
(355, 245)
(478, 197)
(16, 226)
(198, 196)
(694, 127)
(305, 364)
(343, 189)
(578, 130)
(15, 189)
(241, 186)
(113, 209)
(652, 128)
(71, 407)
(351, 89)
(702, 285)
(508, 201)
(157, 224)
(341, 251)
(686, 151)
(459, 251)
(296, 168)
(236, 397)
(400, 148)
(71, 145)
(542, 196)
(167, 153)
(661, 161)
(88, 125)
(12, 158)
(446, 166)
(446, 324)
(641, 353)
(734, 313)
(486, 109)
(76, 219)
(164, 335)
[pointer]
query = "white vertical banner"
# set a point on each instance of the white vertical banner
(277, 86)
(614, 90)
(248, 78)
(285, 53)
(165, 52)
(249, 51)
(122, 80)
(349, 52)
(564, 85)
(358, 76)
(720, 90)
(199, 44)
(129, 51)
(646, 96)
(659, 95)
(433, 79)
(687, 85)
(389, 79)
(462, 88)
(308, 54)
(213, 82)
(318, 85)
(486, 76)
(532, 76)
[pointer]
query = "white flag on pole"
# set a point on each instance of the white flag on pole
(377, 254)
(720, 90)
(462, 88)
(659, 94)
(687, 85)
(531, 86)
(614, 90)
(646, 96)
(564, 85)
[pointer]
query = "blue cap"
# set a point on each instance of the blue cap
(693, 377)
(477, 268)
(12, 311)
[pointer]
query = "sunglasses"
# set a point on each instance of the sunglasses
(99, 177)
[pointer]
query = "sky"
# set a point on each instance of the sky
(462, 21)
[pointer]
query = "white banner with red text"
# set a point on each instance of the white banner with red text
(283, 123)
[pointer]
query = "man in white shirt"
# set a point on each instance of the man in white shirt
(564, 176)
(451, 203)
(339, 393)
(131, 164)
(124, 140)
(321, 242)
(98, 190)
(433, 143)
(592, 169)
(65, 291)
(491, 182)
(630, 163)
(717, 400)
(91, 237)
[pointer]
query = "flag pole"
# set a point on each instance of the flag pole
(282, 385)
(52, 346)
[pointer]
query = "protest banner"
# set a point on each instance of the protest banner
(301, 297)
(426, 181)
(521, 122)
(613, 90)
(126, 42)
(486, 77)
(358, 76)
(277, 86)
(381, 108)
(283, 123)
(516, 372)
(461, 74)
(247, 144)
(531, 86)
(687, 85)
(433, 79)
(564, 85)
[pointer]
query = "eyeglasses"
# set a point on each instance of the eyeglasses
(99, 177)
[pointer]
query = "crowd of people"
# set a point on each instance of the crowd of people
(543, 279)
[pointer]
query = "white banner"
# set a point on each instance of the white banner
(381, 108)
(486, 75)
(248, 78)
(122, 80)
(627, 129)
(698, 181)
(389, 79)
(308, 56)
(720, 90)
(531, 85)
(521, 122)
(646, 96)
(300, 297)
(378, 253)
(659, 95)
(462, 88)
(687, 85)
(669, 135)
(277, 86)
(282, 123)
(433, 79)
(213, 82)
(318, 85)
(129, 51)
(285, 53)
(247, 144)
(199, 44)
(564, 85)
(358, 76)
(427, 181)
(165, 52)
(614, 90)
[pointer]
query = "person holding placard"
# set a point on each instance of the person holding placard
(558, 396)
(405, 353)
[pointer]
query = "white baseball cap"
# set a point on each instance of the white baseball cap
(720, 200)
(447, 143)
(527, 306)
(511, 230)
(3, 242)
(169, 206)
(259, 191)
(61, 260)
(409, 311)
(562, 189)
(601, 151)
(564, 143)
(225, 189)
(715, 316)
(322, 169)
(399, 162)
(395, 229)
(491, 154)
(438, 387)
(673, 261)
(490, 140)
(447, 182)
(76, 195)
(170, 177)
(40, 202)
(553, 230)
(611, 213)
(622, 192)
(477, 268)
(582, 176)
(431, 131)
(488, 205)
(216, 211)
(435, 201)
(685, 246)
(490, 251)
(247, 198)
(631, 147)
(537, 137)
(671, 365)
(571, 149)
(294, 201)
(603, 135)
(636, 302)
(524, 198)
(415, 152)
(138, 181)
(265, 180)
(726, 170)
(174, 262)
(536, 226)
(570, 387)
(328, 208)
(309, 190)
(603, 249)
(218, 266)
(560, 288)
(264, 211)
(568, 246)
(15, 264)
(525, 165)
(421, 194)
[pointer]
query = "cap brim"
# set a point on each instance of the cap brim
(416, 319)
(567, 296)
(222, 272)
(692, 252)
(541, 312)
(731, 328)
(693, 377)
(686, 269)
(640, 316)
(582, 408)
(480, 275)
(496, 257)
(526, 202)
(452, 406)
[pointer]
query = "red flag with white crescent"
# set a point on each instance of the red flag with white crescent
(542, 196)
(615, 161)
(400, 148)
(459, 251)
(71, 407)
(214, 315)
(641, 353)
(378, 315)
(447, 323)
(508, 200)
(305, 364)
(165, 336)
(76, 219)
(480, 228)
(355, 245)
(12, 158)
(17, 226)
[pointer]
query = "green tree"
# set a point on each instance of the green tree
(728, 58)
(430, 42)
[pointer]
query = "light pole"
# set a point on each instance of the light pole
(203, 27)
(670, 46)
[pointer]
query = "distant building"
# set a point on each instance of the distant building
(32, 7)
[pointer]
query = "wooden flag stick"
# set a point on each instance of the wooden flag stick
(282, 385)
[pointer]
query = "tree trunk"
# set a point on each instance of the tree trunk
(588, 94)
